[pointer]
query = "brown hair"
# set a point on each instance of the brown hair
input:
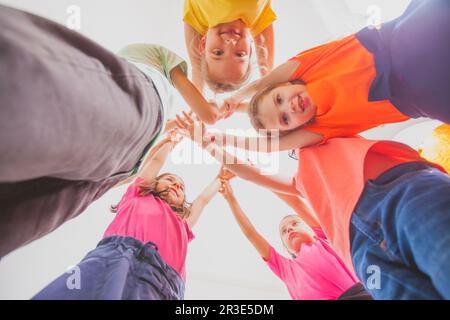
(222, 87)
(146, 188)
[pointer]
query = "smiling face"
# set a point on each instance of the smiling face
(175, 194)
(227, 52)
(294, 233)
(285, 107)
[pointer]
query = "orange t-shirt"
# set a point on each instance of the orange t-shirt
(332, 177)
(338, 76)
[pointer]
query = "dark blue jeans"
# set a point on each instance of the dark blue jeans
(400, 234)
(120, 268)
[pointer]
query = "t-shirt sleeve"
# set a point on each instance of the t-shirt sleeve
(278, 264)
(158, 57)
(265, 19)
(311, 57)
(191, 19)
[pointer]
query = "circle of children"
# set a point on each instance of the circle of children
(77, 120)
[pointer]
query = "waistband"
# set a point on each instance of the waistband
(147, 252)
(402, 169)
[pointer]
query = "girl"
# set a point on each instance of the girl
(143, 252)
(218, 37)
(75, 119)
(384, 209)
(315, 271)
(345, 87)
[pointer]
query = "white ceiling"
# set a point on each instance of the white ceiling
(221, 264)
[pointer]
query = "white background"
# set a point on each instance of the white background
(221, 264)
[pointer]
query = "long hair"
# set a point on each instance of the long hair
(146, 189)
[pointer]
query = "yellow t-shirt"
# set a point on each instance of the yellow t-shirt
(204, 14)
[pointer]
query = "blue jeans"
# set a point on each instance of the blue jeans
(400, 233)
(120, 268)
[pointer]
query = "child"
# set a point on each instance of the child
(217, 35)
(345, 87)
(384, 209)
(75, 119)
(315, 271)
(143, 252)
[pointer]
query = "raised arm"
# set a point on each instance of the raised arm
(293, 140)
(205, 111)
(202, 200)
(156, 160)
(234, 164)
(264, 43)
(256, 239)
(150, 156)
(280, 74)
(301, 208)
(192, 40)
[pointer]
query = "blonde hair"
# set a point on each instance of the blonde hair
(253, 108)
(214, 86)
(284, 245)
(146, 189)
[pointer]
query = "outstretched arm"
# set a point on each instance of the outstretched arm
(280, 74)
(156, 159)
(258, 241)
(195, 129)
(205, 111)
(150, 156)
(293, 140)
(301, 208)
(192, 40)
(264, 43)
(205, 197)
(202, 200)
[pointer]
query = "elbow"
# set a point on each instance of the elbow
(211, 118)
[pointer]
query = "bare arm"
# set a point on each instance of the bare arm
(280, 74)
(150, 156)
(293, 140)
(301, 208)
(205, 111)
(264, 43)
(191, 37)
(155, 162)
(194, 129)
(202, 200)
(258, 241)
(250, 173)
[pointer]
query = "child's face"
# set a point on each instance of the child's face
(227, 52)
(294, 232)
(286, 107)
(175, 186)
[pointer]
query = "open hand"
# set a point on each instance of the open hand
(195, 130)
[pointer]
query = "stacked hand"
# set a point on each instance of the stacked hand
(229, 106)
(225, 176)
(191, 128)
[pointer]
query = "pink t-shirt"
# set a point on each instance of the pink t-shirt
(317, 273)
(150, 219)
